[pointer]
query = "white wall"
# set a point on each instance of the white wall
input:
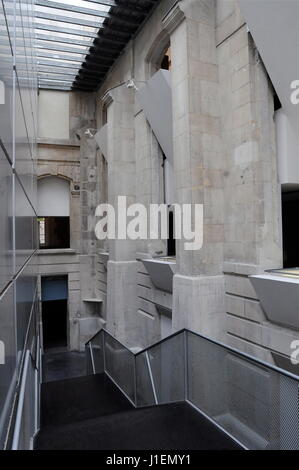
(53, 115)
(53, 197)
(287, 148)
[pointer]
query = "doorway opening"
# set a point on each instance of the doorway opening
(54, 232)
(290, 209)
(54, 311)
(171, 248)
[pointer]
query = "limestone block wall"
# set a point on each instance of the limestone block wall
(148, 297)
(225, 158)
(131, 312)
(149, 171)
(67, 152)
(252, 193)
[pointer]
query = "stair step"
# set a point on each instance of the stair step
(81, 398)
(164, 427)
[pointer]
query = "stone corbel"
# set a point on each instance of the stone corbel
(118, 93)
(107, 98)
(174, 17)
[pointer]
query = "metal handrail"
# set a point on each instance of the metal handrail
(210, 340)
(142, 350)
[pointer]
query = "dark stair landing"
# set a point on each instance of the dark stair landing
(90, 413)
(61, 365)
(78, 399)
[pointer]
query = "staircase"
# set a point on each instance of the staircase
(185, 392)
(90, 413)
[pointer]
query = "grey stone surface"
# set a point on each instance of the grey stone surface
(224, 158)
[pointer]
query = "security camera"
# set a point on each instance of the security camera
(131, 85)
(90, 132)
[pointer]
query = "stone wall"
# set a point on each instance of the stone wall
(224, 158)
(66, 150)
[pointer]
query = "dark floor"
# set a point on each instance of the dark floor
(72, 400)
(91, 414)
(59, 364)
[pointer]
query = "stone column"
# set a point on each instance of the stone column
(252, 192)
(90, 312)
(122, 265)
(198, 289)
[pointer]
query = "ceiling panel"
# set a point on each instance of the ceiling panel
(78, 41)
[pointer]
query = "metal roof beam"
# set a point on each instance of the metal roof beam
(97, 59)
(87, 81)
(112, 3)
(72, 8)
(73, 50)
(67, 19)
(56, 47)
(63, 78)
(56, 82)
(82, 87)
(48, 37)
(61, 57)
(55, 63)
(60, 29)
(54, 87)
(95, 73)
(101, 36)
(57, 70)
(49, 62)
(84, 22)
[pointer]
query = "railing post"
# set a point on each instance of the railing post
(21, 399)
(91, 358)
(104, 352)
(151, 377)
(135, 381)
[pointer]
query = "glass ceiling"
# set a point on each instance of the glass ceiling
(64, 31)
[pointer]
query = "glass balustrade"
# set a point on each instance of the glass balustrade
(255, 402)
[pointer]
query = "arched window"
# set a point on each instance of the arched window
(54, 212)
(166, 61)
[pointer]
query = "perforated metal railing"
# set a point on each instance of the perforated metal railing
(256, 403)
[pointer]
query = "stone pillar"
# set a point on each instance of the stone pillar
(89, 321)
(198, 289)
(122, 265)
(252, 192)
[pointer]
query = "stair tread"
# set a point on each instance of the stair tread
(80, 398)
(169, 427)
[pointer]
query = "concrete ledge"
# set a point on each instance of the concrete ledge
(59, 251)
(58, 142)
(242, 269)
(161, 271)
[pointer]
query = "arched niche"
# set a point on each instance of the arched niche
(155, 58)
(53, 195)
(53, 208)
